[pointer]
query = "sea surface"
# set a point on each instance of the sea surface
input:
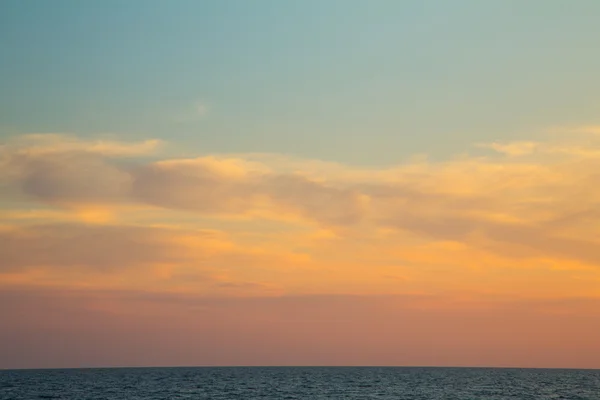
(300, 383)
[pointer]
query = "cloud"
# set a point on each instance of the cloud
(103, 248)
(40, 144)
(513, 148)
(61, 170)
(204, 185)
(543, 202)
(150, 257)
(508, 239)
(224, 186)
(325, 203)
(73, 178)
(59, 174)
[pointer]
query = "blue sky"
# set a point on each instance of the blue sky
(360, 82)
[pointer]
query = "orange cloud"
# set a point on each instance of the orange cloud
(305, 226)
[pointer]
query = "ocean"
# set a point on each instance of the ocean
(311, 383)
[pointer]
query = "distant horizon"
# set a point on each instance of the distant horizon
(297, 366)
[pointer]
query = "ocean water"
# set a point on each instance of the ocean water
(300, 383)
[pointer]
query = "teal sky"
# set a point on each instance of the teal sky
(361, 82)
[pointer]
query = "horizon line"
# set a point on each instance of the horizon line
(295, 366)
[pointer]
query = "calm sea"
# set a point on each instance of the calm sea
(300, 383)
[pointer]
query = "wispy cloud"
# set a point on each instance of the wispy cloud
(42, 143)
(532, 204)
(513, 148)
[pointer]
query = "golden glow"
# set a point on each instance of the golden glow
(521, 224)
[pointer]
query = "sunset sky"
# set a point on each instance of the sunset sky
(316, 182)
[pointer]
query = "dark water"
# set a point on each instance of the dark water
(300, 383)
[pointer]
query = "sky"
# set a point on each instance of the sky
(266, 182)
